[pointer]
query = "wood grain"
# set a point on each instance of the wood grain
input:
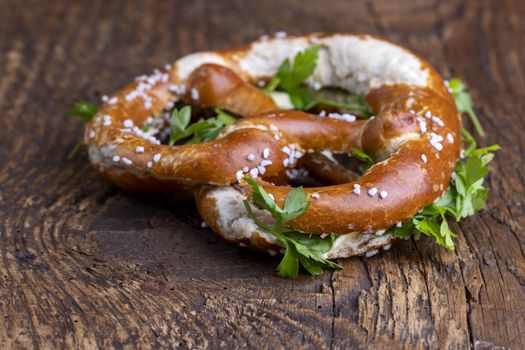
(85, 265)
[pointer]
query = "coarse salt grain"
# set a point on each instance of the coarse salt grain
(126, 161)
(344, 117)
(250, 157)
(156, 157)
(106, 120)
(149, 164)
(194, 94)
(266, 162)
(383, 194)
(315, 195)
(423, 126)
(438, 121)
(437, 145)
(266, 153)
(128, 123)
(424, 158)
(139, 149)
(372, 192)
(116, 158)
(254, 172)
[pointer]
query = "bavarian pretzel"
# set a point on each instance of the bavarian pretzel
(415, 134)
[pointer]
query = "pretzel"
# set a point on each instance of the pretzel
(415, 134)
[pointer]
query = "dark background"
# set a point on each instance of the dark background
(83, 264)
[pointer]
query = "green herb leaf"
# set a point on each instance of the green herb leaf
(465, 196)
(359, 153)
(292, 76)
(180, 119)
(289, 76)
(464, 103)
(200, 131)
(300, 248)
(262, 199)
(295, 204)
(289, 265)
(440, 232)
(225, 117)
(84, 110)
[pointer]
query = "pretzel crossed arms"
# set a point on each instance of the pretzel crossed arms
(415, 135)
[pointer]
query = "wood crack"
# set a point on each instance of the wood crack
(332, 328)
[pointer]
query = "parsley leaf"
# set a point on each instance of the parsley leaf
(291, 76)
(361, 155)
(464, 103)
(200, 131)
(300, 249)
(295, 204)
(180, 119)
(465, 196)
(84, 110)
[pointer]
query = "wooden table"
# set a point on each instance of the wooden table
(84, 264)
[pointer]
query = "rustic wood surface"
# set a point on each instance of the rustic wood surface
(84, 264)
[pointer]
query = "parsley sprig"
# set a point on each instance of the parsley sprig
(291, 76)
(464, 103)
(301, 249)
(364, 157)
(85, 111)
(200, 131)
(465, 196)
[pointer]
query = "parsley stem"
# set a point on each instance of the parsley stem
(475, 122)
(272, 85)
(75, 149)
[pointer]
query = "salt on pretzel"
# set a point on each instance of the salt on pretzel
(416, 132)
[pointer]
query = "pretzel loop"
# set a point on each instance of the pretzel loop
(415, 134)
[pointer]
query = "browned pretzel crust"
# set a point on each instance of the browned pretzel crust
(412, 178)
(415, 134)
